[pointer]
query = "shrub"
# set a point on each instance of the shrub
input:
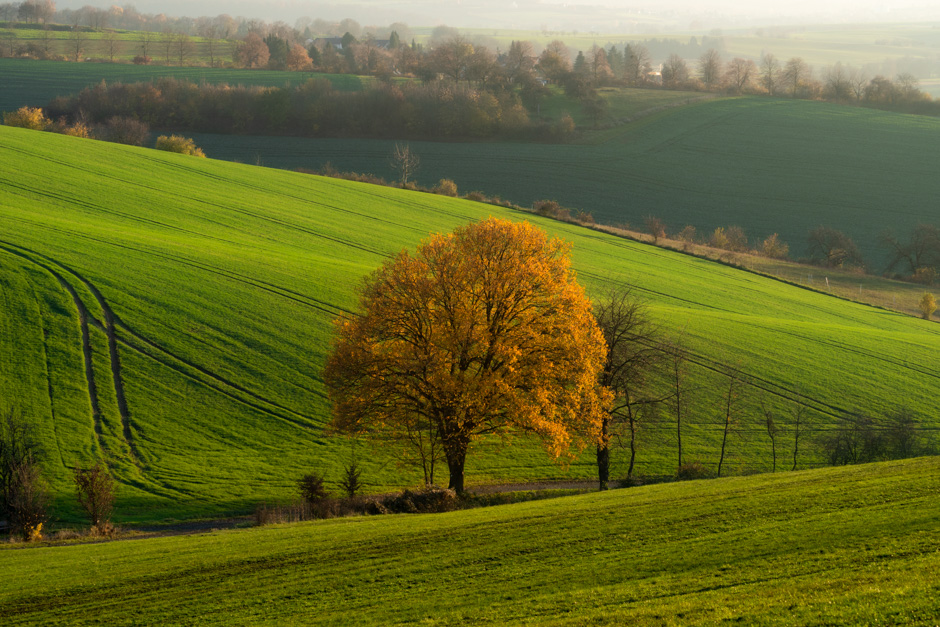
(925, 275)
(179, 144)
(927, 305)
(693, 470)
(124, 130)
(718, 239)
(737, 240)
(430, 500)
(446, 187)
(142, 60)
(585, 217)
(312, 488)
(547, 208)
(655, 227)
(96, 494)
(565, 126)
(688, 234)
(775, 248)
(476, 196)
(24, 497)
(27, 117)
(79, 129)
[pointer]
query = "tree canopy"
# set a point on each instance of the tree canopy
(481, 331)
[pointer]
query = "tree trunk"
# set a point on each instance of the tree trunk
(603, 465)
(456, 457)
(603, 456)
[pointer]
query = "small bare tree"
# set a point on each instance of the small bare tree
(633, 352)
(112, 44)
(96, 494)
(770, 425)
(404, 161)
(800, 421)
(731, 410)
(24, 497)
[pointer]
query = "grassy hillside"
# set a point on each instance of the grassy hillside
(172, 314)
(846, 546)
(34, 83)
(765, 165)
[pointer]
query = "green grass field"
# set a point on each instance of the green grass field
(27, 82)
(765, 165)
(208, 289)
(847, 546)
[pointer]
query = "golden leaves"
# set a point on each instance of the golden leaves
(483, 330)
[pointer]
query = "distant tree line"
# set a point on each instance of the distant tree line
(313, 109)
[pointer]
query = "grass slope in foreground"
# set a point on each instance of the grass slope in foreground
(769, 166)
(172, 315)
(853, 545)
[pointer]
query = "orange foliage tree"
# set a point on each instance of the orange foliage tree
(481, 331)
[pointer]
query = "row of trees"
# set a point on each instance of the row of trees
(311, 109)
(485, 332)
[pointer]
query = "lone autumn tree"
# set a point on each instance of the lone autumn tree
(481, 331)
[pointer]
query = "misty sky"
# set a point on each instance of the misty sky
(585, 15)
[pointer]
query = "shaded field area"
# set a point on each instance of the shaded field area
(854, 545)
(172, 314)
(769, 166)
(33, 83)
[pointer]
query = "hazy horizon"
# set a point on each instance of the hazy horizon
(608, 16)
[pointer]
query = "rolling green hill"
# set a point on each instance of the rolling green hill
(852, 546)
(172, 314)
(763, 164)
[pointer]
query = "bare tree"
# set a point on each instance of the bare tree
(182, 46)
(452, 56)
(636, 64)
(800, 420)
(405, 161)
(633, 352)
(96, 494)
(770, 426)
(111, 44)
(167, 38)
(739, 74)
(837, 87)
(922, 251)
(675, 71)
(731, 411)
(796, 73)
(678, 362)
(520, 60)
(833, 247)
(858, 81)
(770, 73)
(709, 68)
(146, 41)
(76, 41)
(24, 497)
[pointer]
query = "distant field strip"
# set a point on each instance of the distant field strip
(208, 292)
(769, 166)
(27, 82)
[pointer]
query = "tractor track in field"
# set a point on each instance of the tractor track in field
(303, 299)
(86, 319)
(113, 322)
